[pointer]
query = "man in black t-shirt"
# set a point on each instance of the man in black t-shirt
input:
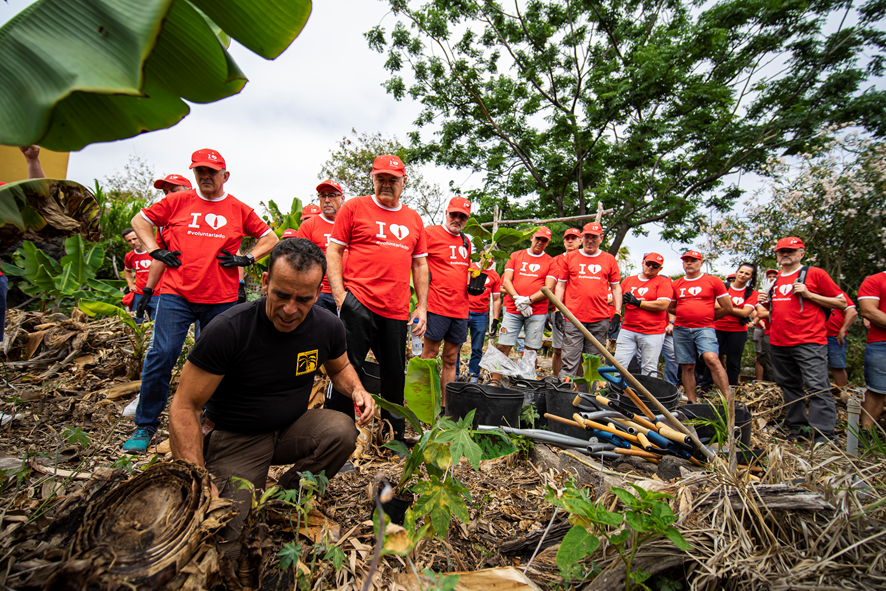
(253, 368)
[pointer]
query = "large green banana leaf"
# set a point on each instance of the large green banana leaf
(47, 208)
(76, 72)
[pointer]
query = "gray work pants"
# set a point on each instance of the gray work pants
(799, 366)
(574, 344)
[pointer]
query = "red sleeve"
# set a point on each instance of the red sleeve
(667, 290)
(824, 285)
(159, 212)
(849, 302)
(719, 288)
(869, 288)
(563, 270)
(303, 231)
(421, 246)
(614, 273)
(496, 286)
(344, 223)
(511, 264)
(254, 225)
(752, 299)
(127, 261)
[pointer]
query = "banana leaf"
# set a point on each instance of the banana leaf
(422, 393)
(47, 208)
(76, 72)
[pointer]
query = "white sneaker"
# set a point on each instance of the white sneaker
(129, 411)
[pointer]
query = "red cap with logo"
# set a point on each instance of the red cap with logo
(773, 271)
(332, 185)
(654, 257)
(459, 204)
(593, 228)
(310, 210)
(542, 232)
(692, 254)
(209, 158)
(572, 232)
(172, 179)
(730, 276)
(389, 164)
(289, 233)
(790, 242)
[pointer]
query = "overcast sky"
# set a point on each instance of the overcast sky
(278, 131)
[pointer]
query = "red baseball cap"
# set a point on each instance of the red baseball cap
(389, 164)
(654, 257)
(331, 184)
(172, 179)
(730, 276)
(459, 204)
(768, 271)
(289, 233)
(310, 210)
(790, 242)
(572, 232)
(542, 232)
(593, 228)
(693, 254)
(209, 158)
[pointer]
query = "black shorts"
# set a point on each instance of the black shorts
(444, 328)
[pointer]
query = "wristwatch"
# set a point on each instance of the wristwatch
(251, 258)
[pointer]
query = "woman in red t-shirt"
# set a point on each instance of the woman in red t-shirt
(732, 329)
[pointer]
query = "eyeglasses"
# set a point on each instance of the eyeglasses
(457, 216)
(542, 240)
(652, 265)
(392, 182)
(323, 196)
(786, 251)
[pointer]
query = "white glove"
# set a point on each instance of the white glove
(522, 302)
(526, 312)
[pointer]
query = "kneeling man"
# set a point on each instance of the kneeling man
(253, 368)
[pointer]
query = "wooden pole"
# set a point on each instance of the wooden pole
(627, 375)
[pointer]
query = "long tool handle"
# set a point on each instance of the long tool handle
(560, 419)
(666, 431)
(627, 375)
(601, 427)
(636, 400)
(636, 418)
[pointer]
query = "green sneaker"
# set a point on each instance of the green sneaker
(138, 443)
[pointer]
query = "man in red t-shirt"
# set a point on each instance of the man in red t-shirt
(798, 340)
(449, 256)
(646, 298)
(571, 241)
(318, 229)
(699, 300)
(585, 278)
(526, 307)
(836, 327)
(478, 319)
(385, 241)
(136, 267)
(872, 307)
(201, 231)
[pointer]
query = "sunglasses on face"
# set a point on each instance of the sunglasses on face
(652, 265)
(457, 216)
(541, 240)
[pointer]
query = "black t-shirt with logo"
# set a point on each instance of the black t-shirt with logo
(268, 374)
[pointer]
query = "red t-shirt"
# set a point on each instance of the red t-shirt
(695, 300)
(480, 303)
(589, 279)
(448, 260)
(647, 290)
(874, 288)
(730, 323)
(530, 272)
(790, 326)
(381, 244)
(139, 263)
(835, 320)
(318, 229)
(200, 229)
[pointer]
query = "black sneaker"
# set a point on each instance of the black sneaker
(798, 438)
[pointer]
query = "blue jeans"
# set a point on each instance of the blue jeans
(691, 343)
(478, 324)
(326, 301)
(174, 317)
(152, 306)
(667, 349)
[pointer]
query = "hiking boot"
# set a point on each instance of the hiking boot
(138, 443)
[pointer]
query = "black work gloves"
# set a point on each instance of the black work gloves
(227, 259)
(142, 306)
(241, 293)
(629, 299)
(614, 325)
(558, 321)
(494, 329)
(170, 259)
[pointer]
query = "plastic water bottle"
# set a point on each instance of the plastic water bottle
(416, 341)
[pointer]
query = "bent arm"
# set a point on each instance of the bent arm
(560, 290)
(836, 303)
(346, 381)
(507, 284)
(849, 319)
(145, 232)
(725, 308)
(195, 388)
(658, 305)
(264, 245)
(155, 273)
(538, 296)
(742, 312)
(869, 308)
(762, 312)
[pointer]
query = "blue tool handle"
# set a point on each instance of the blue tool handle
(611, 438)
(656, 439)
(605, 372)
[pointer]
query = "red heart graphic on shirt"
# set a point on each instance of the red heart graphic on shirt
(533, 267)
(595, 269)
(737, 300)
(694, 291)
(463, 252)
(215, 221)
(785, 289)
(400, 232)
(643, 290)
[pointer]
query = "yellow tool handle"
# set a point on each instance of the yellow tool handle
(641, 437)
(560, 419)
(636, 399)
(595, 425)
(666, 431)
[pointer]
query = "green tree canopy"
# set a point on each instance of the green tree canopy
(645, 106)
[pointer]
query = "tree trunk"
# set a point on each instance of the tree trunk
(618, 239)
